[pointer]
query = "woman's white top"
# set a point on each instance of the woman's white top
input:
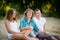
(40, 22)
(13, 27)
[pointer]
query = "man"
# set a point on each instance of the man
(41, 24)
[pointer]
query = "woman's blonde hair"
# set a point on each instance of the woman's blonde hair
(25, 13)
(10, 13)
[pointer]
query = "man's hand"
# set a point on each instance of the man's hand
(42, 32)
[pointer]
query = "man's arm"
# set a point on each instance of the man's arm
(45, 31)
(45, 28)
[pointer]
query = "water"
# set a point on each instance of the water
(52, 26)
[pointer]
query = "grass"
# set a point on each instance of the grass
(1, 17)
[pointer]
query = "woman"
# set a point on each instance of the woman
(27, 23)
(12, 26)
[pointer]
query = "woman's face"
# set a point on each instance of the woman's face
(38, 13)
(14, 14)
(29, 14)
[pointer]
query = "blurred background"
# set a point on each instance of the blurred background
(50, 10)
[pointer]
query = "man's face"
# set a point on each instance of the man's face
(38, 13)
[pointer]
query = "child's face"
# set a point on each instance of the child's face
(29, 14)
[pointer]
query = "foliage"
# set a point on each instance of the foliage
(48, 7)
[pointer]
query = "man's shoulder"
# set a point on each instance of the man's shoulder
(43, 18)
(34, 18)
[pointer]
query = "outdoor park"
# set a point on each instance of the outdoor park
(50, 10)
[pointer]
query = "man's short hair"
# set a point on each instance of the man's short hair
(37, 10)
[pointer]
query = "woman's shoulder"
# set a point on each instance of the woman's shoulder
(6, 21)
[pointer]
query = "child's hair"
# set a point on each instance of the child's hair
(27, 11)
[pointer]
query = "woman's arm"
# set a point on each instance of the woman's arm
(8, 27)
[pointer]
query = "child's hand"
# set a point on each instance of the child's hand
(29, 28)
